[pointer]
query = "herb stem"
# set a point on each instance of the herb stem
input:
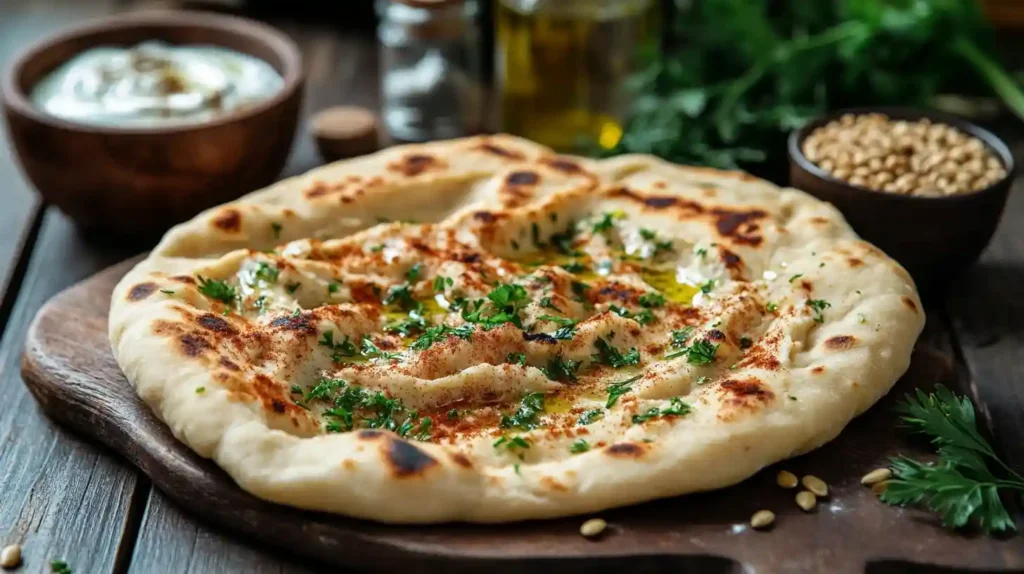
(996, 77)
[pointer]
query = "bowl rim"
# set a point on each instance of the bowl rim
(293, 73)
(993, 142)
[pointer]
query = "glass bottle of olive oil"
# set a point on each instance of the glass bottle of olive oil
(561, 68)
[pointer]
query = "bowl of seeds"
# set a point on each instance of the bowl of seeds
(926, 187)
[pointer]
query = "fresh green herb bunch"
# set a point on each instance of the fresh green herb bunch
(740, 74)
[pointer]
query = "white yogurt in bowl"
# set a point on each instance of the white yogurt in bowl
(154, 84)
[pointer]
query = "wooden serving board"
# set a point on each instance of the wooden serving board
(69, 369)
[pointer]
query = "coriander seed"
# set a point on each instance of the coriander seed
(815, 485)
(762, 519)
(593, 527)
(806, 500)
(876, 476)
(786, 479)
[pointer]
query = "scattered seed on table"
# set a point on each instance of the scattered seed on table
(879, 487)
(593, 527)
(876, 476)
(762, 519)
(806, 500)
(815, 485)
(10, 556)
(786, 479)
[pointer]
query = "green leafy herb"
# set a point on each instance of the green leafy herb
(652, 300)
(609, 355)
(680, 336)
(219, 290)
(167, 291)
(564, 333)
(708, 286)
(414, 323)
(200, 390)
(546, 303)
(563, 240)
(574, 267)
(746, 342)
(560, 369)
(414, 272)
(370, 350)
(525, 418)
(439, 333)
(590, 416)
(795, 277)
(580, 446)
(515, 445)
(616, 390)
(606, 223)
(676, 408)
(579, 290)
(563, 321)
(377, 248)
(276, 228)
(59, 567)
(818, 306)
(516, 359)
(440, 283)
(962, 485)
(701, 252)
(292, 287)
(339, 350)
(771, 307)
(503, 305)
(401, 296)
(643, 317)
(701, 352)
(333, 287)
(453, 414)
(702, 380)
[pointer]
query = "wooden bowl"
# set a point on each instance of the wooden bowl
(933, 237)
(138, 181)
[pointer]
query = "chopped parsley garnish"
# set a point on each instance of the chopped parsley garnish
(708, 286)
(574, 267)
(746, 342)
(414, 323)
(795, 277)
(590, 416)
(643, 317)
(219, 290)
(651, 300)
(579, 446)
(563, 240)
(503, 305)
(616, 390)
(563, 321)
(516, 359)
(818, 306)
(339, 350)
(515, 445)
(579, 289)
(266, 272)
(440, 333)
(167, 291)
(200, 390)
(440, 283)
(609, 355)
(333, 287)
(414, 272)
(659, 246)
(59, 567)
(700, 353)
(607, 221)
(453, 414)
(353, 406)
(276, 228)
(377, 248)
(771, 307)
(371, 351)
(525, 418)
(702, 380)
(324, 389)
(564, 333)
(296, 390)
(400, 295)
(647, 234)
(680, 336)
(676, 408)
(292, 287)
(701, 252)
(559, 369)
(546, 303)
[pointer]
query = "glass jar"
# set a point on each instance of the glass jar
(429, 68)
(561, 68)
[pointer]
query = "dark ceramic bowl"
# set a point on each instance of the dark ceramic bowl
(138, 181)
(933, 237)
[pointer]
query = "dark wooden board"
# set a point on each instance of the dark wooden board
(68, 367)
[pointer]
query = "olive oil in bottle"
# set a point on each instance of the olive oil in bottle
(562, 65)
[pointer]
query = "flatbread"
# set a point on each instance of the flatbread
(624, 330)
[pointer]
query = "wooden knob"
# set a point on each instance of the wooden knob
(343, 132)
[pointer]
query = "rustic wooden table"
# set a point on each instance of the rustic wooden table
(63, 498)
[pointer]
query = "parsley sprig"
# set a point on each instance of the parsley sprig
(609, 355)
(219, 290)
(676, 408)
(961, 486)
(525, 417)
(701, 352)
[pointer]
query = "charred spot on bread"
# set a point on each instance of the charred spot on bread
(522, 178)
(415, 164)
(462, 460)
(745, 392)
(301, 323)
(187, 279)
(229, 220)
(500, 151)
(193, 345)
(229, 364)
(840, 342)
(369, 434)
(626, 450)
(563, 165)
(141, 291)
(406, 459)
(216, 324)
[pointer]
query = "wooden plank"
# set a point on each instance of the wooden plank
(340, 69)
(987, 311)
(61, 498)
